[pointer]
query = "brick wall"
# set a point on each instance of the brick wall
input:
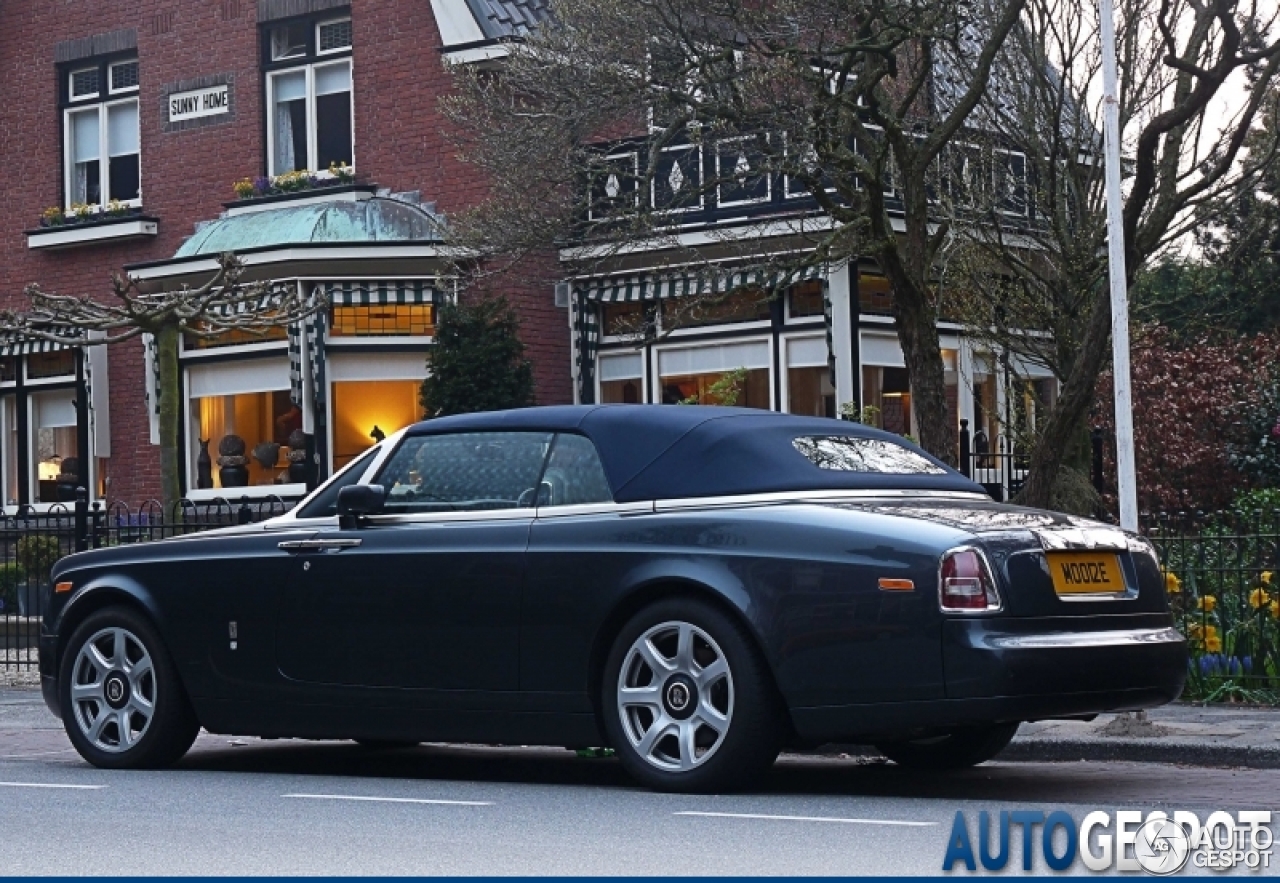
(187, 174)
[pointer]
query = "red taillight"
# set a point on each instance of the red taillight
(966, 584)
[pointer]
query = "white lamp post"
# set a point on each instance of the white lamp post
(1126, 477)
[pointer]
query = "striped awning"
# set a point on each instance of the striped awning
(11, 346)
(644, 287)
(380, 293)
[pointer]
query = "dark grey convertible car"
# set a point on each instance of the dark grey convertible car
(695, 587)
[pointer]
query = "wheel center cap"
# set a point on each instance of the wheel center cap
(116, 689)
(680, 697)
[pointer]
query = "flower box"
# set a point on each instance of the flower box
(97, 228)
(336, 192)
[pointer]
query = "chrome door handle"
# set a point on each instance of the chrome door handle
(317, 545)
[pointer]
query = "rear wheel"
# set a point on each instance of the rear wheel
(123, 705)
(688, 702)
(952, 751)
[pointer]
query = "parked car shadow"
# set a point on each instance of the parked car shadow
(1037, 783)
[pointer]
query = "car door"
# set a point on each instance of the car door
(427, 593)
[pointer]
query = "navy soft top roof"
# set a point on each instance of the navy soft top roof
(657, 452)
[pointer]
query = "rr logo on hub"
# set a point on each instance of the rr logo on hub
(1128, 841)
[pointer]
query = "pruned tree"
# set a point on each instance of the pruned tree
(850, 102)
(222, 305)
(1032, 281)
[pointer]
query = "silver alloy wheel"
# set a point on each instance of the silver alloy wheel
(113, 690)
(675, 696)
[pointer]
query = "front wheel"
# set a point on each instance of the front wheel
(123, 705)
(688, 702)
(951, 751)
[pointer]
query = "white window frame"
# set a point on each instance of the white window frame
(32, 466)
(312, 134)
(111, 90)
(655, 385)
(330, 21)
(191, 448)
(104, 170)
(784, 364)
(72, 97)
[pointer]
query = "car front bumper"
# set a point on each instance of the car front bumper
(48, 672)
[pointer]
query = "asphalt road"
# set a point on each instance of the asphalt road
(292, 807)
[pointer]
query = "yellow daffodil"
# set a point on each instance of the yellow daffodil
(1207, 603)
(1259, 598)
(1172, 584)
(1213, 644)
(1194, 629)
(1275, 609)
(1266, 577)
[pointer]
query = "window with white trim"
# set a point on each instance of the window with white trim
(309, 108)
(102, 158)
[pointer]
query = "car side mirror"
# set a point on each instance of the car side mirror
(358, 500)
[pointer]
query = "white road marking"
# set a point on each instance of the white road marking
(35, 754)
(43, 785)
(749, 815)
(389, 799)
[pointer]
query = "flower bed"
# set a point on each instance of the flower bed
(1222, 575)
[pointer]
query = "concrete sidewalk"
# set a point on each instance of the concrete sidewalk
(1217, 736)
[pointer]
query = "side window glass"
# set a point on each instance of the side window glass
(574, 474)
(325, 503)
(465, 471)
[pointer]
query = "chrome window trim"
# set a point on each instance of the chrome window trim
(545, 512)
(527, 514)
(833, 496)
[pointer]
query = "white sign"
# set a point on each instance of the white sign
(199, 103)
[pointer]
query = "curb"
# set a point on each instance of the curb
(1155, 750)
(1126, 750)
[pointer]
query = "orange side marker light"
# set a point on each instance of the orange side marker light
(62, 587)
(896, 585)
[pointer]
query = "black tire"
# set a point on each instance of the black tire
(953, 751)
(172, 726)
(755, 727)
(385, 744)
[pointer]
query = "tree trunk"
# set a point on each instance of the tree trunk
(916, 319)
(922, 350)
(1076, 397)
(170, 393)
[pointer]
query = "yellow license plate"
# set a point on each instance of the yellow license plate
(1086, 573)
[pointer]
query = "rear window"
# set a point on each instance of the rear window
(844, 453)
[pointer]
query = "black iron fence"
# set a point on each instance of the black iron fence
(31, 543)
(1222, 574)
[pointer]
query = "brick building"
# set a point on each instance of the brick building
(130, 129)
(133, 122)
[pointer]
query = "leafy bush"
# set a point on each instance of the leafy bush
(37, 554)
(11, 575)
(477, 362)
(1200, 411)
